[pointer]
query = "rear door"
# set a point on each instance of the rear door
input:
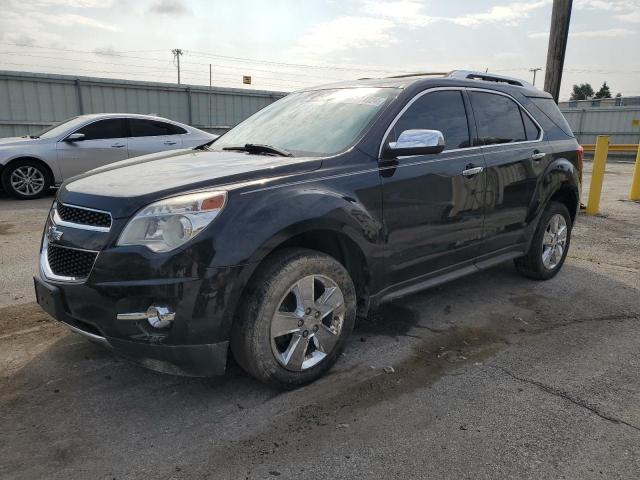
(433, 203)
(515, 156)
(105, 141)
(151, 136)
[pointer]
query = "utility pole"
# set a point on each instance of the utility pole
(559, 32)
(534, 70)
(210, 85)
(177, 52)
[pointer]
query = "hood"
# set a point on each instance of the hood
(14, 141)
(124, 187)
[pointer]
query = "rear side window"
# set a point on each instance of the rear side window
(442, 111)
(531, 129)
(153, 128)
(104, 129)
(551, 110)
(498, 119)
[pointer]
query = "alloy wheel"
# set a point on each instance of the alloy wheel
(554, 241)
(27, 180)
(308, 322)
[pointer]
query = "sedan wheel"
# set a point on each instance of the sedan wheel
(27, 180)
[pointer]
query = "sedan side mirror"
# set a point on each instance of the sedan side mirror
(75, 137)
(415, 142)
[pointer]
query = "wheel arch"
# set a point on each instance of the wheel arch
(47, 167)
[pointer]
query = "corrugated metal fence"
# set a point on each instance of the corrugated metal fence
(622, 123)
(32, 101)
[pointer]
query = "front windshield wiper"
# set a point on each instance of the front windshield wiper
(260, 148)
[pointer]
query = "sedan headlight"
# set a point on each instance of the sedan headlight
(170, 223)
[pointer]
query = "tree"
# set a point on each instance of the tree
(618, 95)
(582, 92)
(604, 91)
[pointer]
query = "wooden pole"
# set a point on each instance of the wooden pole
(560, 18)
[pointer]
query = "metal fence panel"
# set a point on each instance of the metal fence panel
(621, 123)
(32, 101)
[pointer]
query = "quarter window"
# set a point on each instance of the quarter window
(498, 119)
(531, 129)
(153, 128)
(442, 111)
(104, 129)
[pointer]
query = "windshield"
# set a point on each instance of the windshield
(56, 129)
(315, 123)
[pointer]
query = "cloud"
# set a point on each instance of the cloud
(72, 20)
(510, 14)
(612, 32)
(405, 12)
(73, 3)
(608, 5)
(169, 7)
(344, 33)
(632, 17)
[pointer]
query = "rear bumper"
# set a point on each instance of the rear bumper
(196, 344)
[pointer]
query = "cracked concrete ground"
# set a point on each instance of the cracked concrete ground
(495, 376)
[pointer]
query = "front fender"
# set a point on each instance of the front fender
(260, 220)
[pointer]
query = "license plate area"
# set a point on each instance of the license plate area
(47, 297)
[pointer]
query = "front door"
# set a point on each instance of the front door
(433, 203)
(105, 141)
(516, 157)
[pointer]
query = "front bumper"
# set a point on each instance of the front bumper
(196, 344)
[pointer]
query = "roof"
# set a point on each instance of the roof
(464, 78)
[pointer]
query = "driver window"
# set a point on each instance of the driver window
(441, 110)
(104, 129)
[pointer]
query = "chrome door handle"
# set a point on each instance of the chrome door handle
(117, 145)
(169, 142)
(470, 172)
(538, 156)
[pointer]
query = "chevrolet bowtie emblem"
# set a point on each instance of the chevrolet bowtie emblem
(53, 234)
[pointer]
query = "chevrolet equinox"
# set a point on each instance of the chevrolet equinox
(270, 241)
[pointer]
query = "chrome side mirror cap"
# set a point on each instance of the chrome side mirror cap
(75, 137)
(415, 142)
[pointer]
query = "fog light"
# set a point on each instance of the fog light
(160, 317)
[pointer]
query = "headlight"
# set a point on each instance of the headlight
(170, 223)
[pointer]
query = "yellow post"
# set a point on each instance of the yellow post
(634, 193)
(597, 175)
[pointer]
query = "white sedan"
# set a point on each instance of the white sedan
(30, 165)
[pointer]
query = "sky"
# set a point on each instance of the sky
(287, 44)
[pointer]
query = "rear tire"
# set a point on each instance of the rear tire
(282, 337)
(26, 179)
(549, 246)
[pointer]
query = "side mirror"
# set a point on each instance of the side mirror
(415, 142)
(75, 137)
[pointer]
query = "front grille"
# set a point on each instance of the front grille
(68, 262)
(83, 216)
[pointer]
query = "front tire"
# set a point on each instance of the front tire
(549, 246)
(295, 318)
(26, 179)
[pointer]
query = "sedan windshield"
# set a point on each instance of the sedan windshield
(56, 129)
(316, 123)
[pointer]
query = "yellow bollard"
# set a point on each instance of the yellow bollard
(634, 193)
(597, 175)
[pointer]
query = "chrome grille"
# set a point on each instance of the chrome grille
(68, 262)
(83, 216)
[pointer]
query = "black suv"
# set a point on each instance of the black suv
(316, 209)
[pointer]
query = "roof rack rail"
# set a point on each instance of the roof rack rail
(488, 77)
(423, 74)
